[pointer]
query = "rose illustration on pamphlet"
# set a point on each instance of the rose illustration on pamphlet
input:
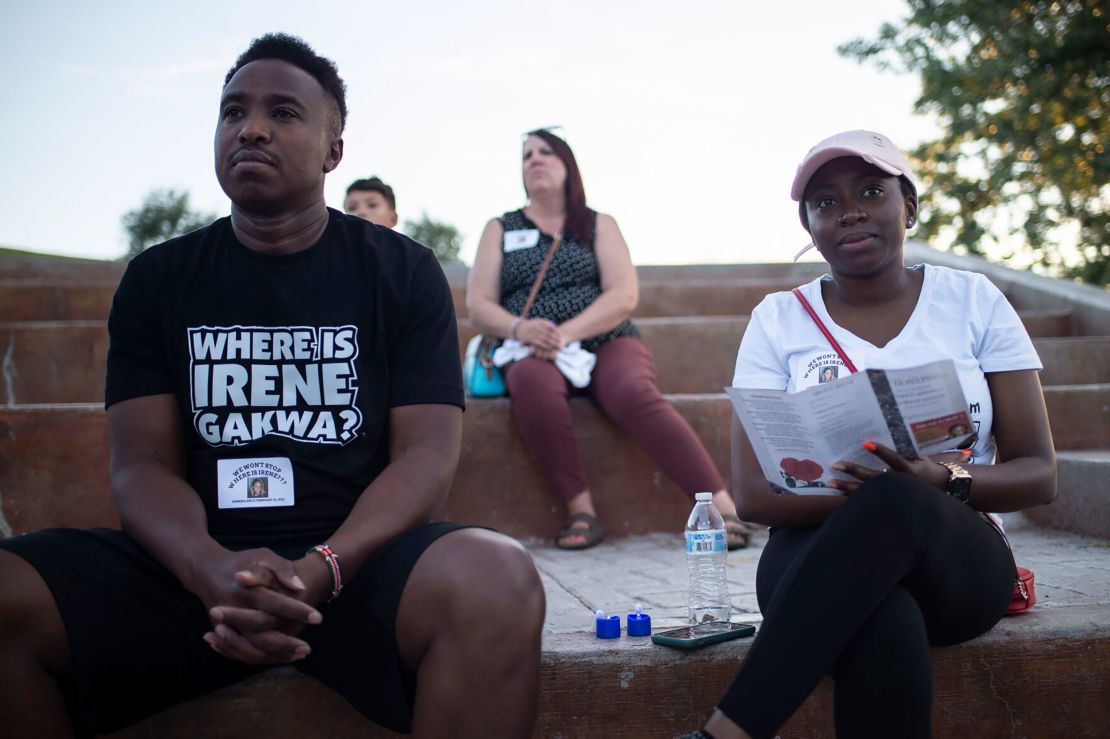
(801, 473)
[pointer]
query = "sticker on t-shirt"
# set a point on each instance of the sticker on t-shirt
(298, 382)
(265, 482)
(825, 367)
(524, 238)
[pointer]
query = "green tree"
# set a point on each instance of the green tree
(1021, 89)
(164, 213)
(442, 238)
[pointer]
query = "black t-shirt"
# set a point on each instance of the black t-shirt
(285, 368)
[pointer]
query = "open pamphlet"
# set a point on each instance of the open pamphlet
(797, 436)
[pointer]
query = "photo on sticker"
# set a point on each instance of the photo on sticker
(828, 373)
(259, 488)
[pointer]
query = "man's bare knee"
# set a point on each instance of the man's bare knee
(494, 573)
(472, 581)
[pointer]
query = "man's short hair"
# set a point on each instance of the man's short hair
(374, 184)
(295, 51)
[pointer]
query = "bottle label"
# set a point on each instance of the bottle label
(705, 542)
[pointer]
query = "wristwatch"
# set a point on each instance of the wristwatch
(959, 482)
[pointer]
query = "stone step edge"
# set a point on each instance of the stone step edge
(587, 687)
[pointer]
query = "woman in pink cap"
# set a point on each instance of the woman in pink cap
(861, 585)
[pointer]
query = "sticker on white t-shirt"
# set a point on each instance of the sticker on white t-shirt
(818, 368)
(524, 238)
(263, 482)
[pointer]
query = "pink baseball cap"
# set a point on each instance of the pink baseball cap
(871, 147)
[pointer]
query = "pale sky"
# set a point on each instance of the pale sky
(688, 119)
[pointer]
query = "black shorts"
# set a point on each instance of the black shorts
(135, 632)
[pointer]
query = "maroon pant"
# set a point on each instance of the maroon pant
(623, 384)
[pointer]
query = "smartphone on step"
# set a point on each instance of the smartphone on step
(683, 639)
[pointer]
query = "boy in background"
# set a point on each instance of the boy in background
(372, 200)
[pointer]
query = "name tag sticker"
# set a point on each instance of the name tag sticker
(264, 482)
(524, 238)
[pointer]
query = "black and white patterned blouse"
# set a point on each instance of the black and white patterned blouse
(572, 283)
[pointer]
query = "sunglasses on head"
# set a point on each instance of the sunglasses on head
(553, 130)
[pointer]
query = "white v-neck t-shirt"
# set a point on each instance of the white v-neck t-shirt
(959, 315)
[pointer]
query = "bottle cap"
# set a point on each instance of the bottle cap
(607, 627)
(639, 623)
(703, 497)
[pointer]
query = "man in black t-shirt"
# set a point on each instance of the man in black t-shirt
(284, 410)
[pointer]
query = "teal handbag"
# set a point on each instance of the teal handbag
(481, 377)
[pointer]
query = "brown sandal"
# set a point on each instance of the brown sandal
(591, 535)
(738, 533)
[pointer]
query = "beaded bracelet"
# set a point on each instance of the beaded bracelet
(513, 327)
(332, 561)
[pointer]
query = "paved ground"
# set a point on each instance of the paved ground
(1071, 571)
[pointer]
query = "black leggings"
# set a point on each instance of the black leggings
(897, 568)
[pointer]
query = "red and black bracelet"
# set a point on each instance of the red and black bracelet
(332, 561)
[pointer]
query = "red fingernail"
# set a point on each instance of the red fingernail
(869, 446)
(966, 452)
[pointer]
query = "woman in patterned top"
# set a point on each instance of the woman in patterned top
(587, 296)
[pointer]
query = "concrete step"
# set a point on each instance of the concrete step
(706, 297)
(68, 269)
(86, 270)
(1047, 322)
(53, 464)
(693, 354)
(798, 273)
(63, 361)
(1079, 416)
(39, 300)
(1083, 506)
(1042, 674)
(72, 269)
(54, 470)
(54, 467)
(23, 299)
(53, 361)
(1075, 360)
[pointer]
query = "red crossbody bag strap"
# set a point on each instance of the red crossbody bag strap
(821, 325)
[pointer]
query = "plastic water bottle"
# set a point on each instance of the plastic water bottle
(706, 553)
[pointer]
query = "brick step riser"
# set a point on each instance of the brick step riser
(53, 465)
(63, 361)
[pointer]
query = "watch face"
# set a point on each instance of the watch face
(960, 488)
(959, 482)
